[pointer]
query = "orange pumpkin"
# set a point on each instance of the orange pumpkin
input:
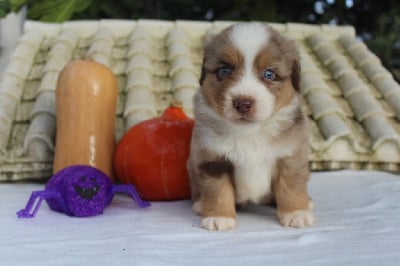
(152, 156)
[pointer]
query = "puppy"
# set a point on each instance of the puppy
(250, 140)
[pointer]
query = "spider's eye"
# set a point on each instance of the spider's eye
(269, 74)
(82, 178)
(93, 180)
(224, 71)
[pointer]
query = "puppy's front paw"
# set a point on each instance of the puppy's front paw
(218, 223)
(297, 219)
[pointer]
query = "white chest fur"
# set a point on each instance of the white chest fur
(252, 148)
(253, 180)
(254, 157)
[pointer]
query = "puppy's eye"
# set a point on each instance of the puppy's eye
(224, 71)
(269, 74)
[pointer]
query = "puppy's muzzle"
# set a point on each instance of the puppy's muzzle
(243, 105)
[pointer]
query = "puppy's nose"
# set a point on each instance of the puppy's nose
(242, 105)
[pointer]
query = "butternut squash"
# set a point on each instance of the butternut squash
(86, 97)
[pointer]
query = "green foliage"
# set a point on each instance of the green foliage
(386, 40)
(4, 7)
(46, 10)
(56, 10)
(15, 5)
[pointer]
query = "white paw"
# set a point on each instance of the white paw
(218, 223)
(297, 219)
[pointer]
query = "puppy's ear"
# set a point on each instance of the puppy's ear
(295, 77)
(206, 43)
(208, 39)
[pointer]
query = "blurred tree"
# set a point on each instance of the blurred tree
(377, 23)
(4, 8)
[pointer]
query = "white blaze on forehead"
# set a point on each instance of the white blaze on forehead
(249, 39)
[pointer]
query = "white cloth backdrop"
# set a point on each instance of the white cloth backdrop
(358, 223)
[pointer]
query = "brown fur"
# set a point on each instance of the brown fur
(289, 185)
(219, 52)
(212, 176)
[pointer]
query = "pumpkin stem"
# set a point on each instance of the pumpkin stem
(176, 103)
(174, 112)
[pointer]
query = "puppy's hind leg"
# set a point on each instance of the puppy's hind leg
(194, 188)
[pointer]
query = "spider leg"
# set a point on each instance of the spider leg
(35, 201)
(129, 189)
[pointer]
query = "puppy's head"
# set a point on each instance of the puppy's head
(249, 73)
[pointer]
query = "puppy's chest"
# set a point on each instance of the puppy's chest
(253, 180)
(254, 159)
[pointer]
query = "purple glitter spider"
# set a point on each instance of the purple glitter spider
(78, 190)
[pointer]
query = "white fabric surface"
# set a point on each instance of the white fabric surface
(358, 223)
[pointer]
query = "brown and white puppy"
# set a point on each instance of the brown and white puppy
(250, 140)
